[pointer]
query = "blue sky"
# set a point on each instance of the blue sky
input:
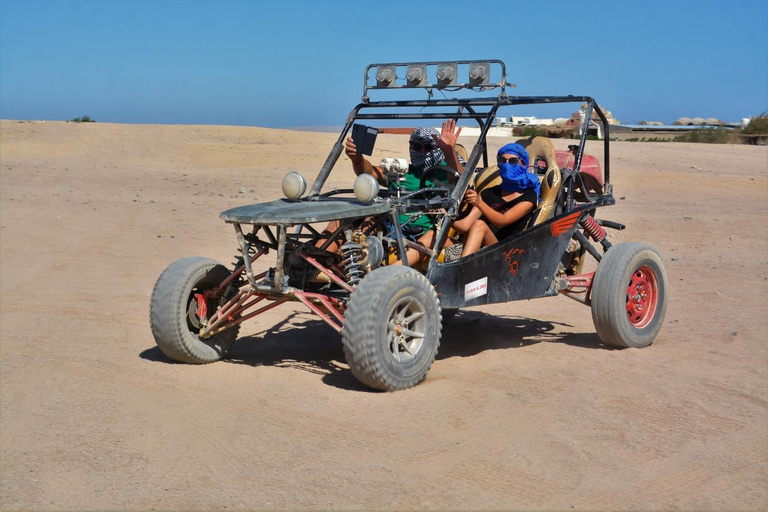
(300, 63)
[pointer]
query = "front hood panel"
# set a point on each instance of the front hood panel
(284, 211)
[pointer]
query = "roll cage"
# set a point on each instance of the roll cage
(483, 110)
(304, 253)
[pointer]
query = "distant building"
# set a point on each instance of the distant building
(651, 123)
(698, 121)
(523, 121)
(529, 121)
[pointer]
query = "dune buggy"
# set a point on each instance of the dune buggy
(390, 316)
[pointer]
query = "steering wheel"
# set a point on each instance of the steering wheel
(465, 207)
(432, 171)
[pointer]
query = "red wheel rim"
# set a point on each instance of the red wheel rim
(642, 297)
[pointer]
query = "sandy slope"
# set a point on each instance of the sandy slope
(523, 408)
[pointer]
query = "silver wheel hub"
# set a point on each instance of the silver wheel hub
(405, 329)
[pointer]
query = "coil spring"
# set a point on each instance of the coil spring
(352, 255)
(592, 228)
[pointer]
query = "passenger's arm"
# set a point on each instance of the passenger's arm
(463, 225)
(511, 216)
(498, 219)
(360, 165)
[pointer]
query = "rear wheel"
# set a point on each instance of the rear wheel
(175, 310)
(629, 295)
(392, 328)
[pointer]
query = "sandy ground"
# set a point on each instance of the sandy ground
(523, 408)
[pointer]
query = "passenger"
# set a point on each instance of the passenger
(497, 212)
(505, 208)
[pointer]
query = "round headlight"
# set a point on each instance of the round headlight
(366, 188)
(294, 185)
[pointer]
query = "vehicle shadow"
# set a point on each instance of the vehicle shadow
(472, 332)
(304, 342)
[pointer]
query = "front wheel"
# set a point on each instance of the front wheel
(629, 295)
(392, 328)
(175, 311)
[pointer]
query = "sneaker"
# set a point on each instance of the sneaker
(453, 252)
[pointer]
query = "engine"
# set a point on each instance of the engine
(357, 256)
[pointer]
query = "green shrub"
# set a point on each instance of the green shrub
(84, 119)
(531, 131)
(707, 136)
(757, 125)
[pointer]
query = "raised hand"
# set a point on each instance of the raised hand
(449, 134)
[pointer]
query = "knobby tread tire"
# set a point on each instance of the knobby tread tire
(609, 289)
(168, 311)
(364, 336)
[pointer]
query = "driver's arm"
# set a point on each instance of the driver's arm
(451, 160)
(360, 165)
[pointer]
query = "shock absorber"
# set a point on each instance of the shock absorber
(352, 257)
(592, 228)
(596, 231)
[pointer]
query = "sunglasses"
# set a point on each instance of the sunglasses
(425, 147)
(513, 160)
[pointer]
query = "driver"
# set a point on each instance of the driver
(427, 148)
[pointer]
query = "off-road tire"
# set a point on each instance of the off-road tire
(374, 358)
(629, 295)
(168, 311)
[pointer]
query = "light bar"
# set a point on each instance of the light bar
(478, 75)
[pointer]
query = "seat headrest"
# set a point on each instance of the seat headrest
(540, 147)
(461, 152)
(487, 178)
(550, 179)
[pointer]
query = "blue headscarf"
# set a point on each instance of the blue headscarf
(516, 178)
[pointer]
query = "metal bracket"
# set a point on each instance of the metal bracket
(244, 247)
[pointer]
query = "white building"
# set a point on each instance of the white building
(530, 121)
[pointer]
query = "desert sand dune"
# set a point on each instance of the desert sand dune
(524, 408)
